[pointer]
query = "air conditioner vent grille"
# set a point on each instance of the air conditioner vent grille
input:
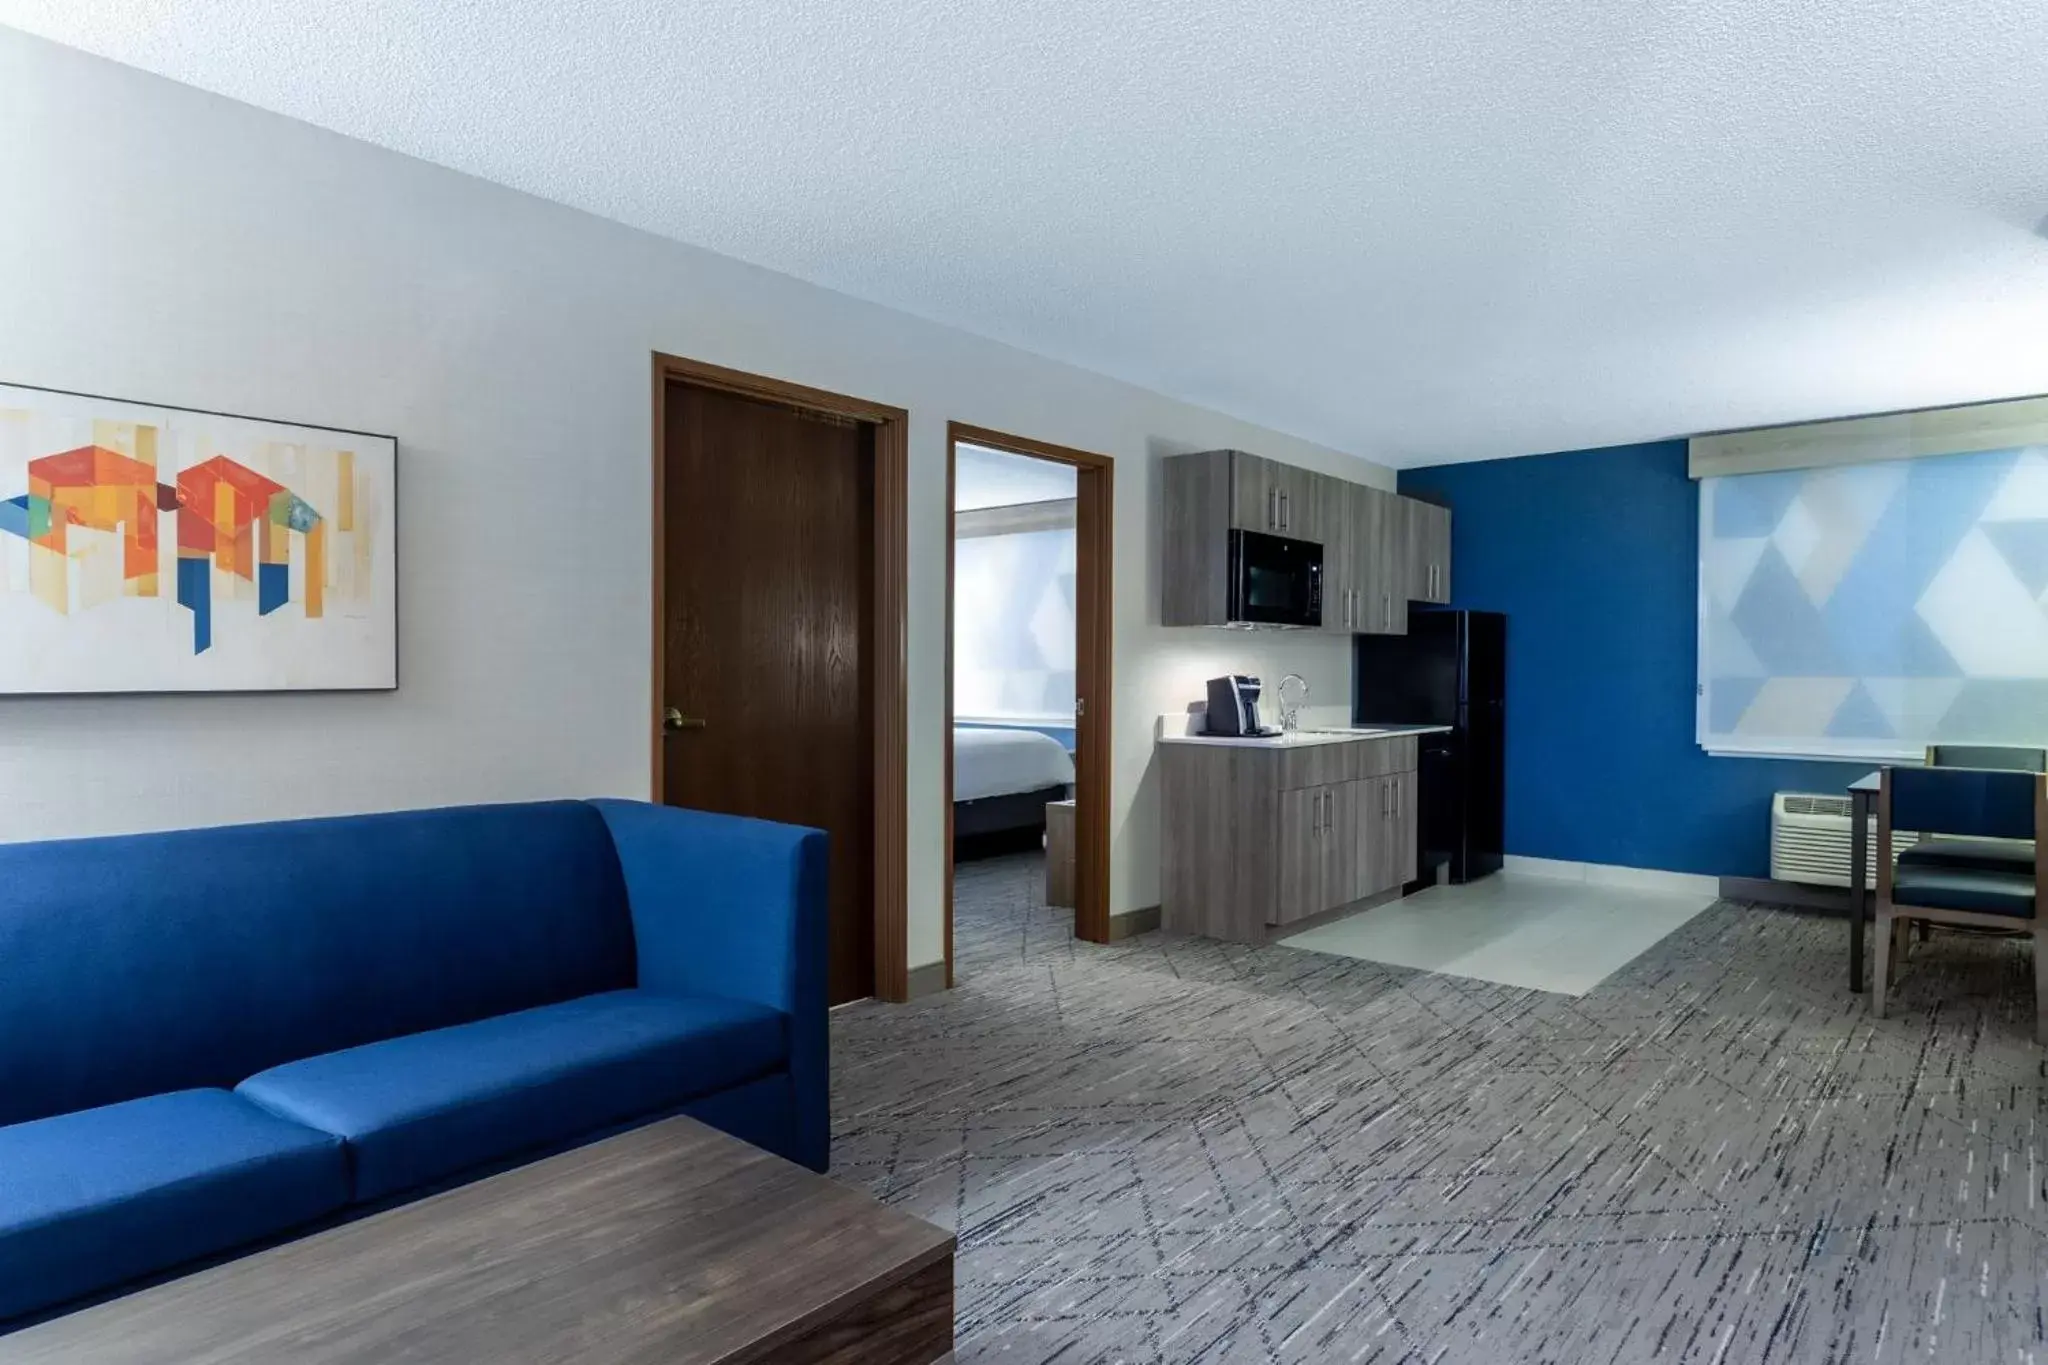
(1804, 803)
(1810, 839)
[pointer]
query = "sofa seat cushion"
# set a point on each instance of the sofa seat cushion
(1965, 888)
(415, 1110)
(1998, 855)
(93, 1199)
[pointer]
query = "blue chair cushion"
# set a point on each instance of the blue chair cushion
(416, 1109)
(1965, 888)
(1997, 855)
(96, 1198)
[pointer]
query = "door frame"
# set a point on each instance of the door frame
(1094, 619)
(889, 722)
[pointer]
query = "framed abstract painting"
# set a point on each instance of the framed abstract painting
(158, 549)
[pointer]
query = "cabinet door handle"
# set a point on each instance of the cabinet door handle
(1272, 509)
(1396, 785)
(1284, 517)
(1386, 614)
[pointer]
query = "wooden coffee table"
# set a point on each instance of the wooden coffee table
(670, 1245)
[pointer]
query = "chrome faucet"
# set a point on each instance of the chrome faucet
(1290, 711)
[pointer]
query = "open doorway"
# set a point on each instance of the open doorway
(1027, 693)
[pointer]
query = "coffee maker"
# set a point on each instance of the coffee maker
(1234, 707)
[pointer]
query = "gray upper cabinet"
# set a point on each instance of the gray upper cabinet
(1361, 584)
(1385, 607)
(1372, 563)
(1276, 498)
(1428, 537)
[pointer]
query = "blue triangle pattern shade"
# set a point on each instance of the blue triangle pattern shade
(1753, 504)
(1858, 717)
(1784, 629)
(2024, 546)
(1727, 699)
(1902, 608)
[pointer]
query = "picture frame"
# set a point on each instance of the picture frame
(151, 548)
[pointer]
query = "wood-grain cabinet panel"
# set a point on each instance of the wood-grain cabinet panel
(1256, 839)
(1381, 551)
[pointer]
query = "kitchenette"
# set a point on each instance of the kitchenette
(1269, 829)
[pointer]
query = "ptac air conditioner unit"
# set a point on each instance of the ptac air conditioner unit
(1810, 840)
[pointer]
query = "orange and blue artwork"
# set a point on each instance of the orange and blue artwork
(275, 542)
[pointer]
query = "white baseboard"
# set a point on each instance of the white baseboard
(1607, 874)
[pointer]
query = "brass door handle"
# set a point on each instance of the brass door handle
(672, 719)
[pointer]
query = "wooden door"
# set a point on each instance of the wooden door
(768, 628)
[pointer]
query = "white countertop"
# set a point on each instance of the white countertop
(1306, 738)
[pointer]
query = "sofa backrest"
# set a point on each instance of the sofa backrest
(140, 964)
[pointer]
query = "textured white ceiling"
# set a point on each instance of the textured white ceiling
(1420, 231)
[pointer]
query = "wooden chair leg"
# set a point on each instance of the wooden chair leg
(2041, 981)
(1881, 965)
(1904, 944)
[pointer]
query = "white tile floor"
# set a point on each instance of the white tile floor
(1539, 933)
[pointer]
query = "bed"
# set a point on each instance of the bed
(1002, 780)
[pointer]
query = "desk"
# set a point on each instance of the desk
(1862, 800)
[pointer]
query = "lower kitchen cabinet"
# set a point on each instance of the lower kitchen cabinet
(1258, 838)
(1386, 830)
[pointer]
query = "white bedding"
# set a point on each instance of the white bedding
(1001, 762)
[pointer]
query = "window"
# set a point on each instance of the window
(1868, 610)
(1013, 625)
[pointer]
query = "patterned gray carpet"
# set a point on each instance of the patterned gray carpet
(1179, 1150)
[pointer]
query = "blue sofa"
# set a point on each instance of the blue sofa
(219, 1038)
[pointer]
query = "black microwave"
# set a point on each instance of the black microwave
(1275, 580)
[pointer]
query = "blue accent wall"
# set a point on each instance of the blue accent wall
(1594, 556)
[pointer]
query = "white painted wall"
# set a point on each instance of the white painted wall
(162, 244)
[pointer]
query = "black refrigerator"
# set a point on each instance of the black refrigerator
(1449, 669)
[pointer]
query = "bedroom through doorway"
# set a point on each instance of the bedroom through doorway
(1027, 697)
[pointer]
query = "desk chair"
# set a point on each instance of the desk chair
(1987, 756)
(1976, 804)
(2007, 856)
